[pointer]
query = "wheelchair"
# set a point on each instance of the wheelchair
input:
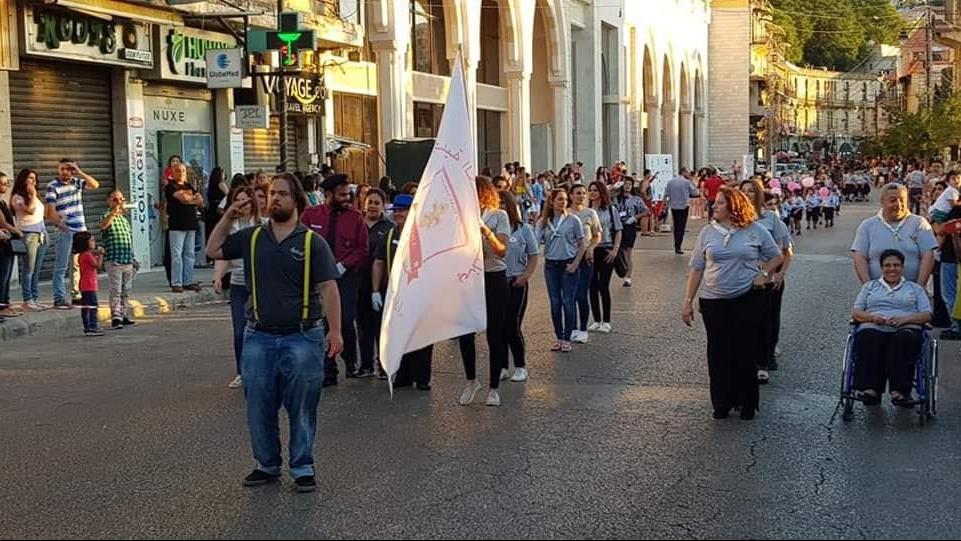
(925, 385)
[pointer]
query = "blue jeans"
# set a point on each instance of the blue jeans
(182, 257)
(6, 274)
(63, 267)
(238, 315)
(584, 275)
(91, 321)
(30, 265)
(286, 370)
(949, 288)
(561, 286)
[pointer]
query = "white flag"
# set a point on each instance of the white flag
(436, 287)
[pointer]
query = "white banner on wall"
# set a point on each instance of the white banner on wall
(140, 214)
(748, 162)
(662, 170)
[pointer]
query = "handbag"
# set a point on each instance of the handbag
(18, 246)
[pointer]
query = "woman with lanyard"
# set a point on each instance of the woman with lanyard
(604, 256)
(522, 251)
(495, 231)
(368, 319)
(585, 272)
(734, 257)
(631, 210)
(774, 288)
(250, 216)
(894, 228)
(562, 234)
(812, 206)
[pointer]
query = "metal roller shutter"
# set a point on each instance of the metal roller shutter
(262, 147)
(64, 111)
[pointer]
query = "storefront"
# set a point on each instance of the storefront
(355, 121)
(61, 96)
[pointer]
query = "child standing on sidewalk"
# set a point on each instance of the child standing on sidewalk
(90, 260)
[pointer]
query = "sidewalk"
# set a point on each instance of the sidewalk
(150, 296)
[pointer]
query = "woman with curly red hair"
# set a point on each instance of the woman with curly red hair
(734, 257)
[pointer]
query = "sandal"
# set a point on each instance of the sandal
(903, 401)
(868, 399)
(556, 346)
(566, 347)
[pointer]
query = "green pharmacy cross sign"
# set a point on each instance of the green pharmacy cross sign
(289, 39)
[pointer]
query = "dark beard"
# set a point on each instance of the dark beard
(280, 215)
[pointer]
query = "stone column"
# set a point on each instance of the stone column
(519, 116)
(391, 92)
(563, 150)
(687, 138)
(700, 148)
(653, 143)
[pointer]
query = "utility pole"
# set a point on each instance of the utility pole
(929, 54)
(283, 100)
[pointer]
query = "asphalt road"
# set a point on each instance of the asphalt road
(136, 435)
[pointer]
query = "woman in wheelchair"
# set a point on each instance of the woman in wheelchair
(891, 313)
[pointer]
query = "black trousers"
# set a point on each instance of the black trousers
(886, 357)
(773, 299)
(601, 286)
(368, 328)
(941, 316)
(497, 294)
(734, 336)
(347, 285)
(828, 216)
(415, 367)
(680, 224)
(515, 334)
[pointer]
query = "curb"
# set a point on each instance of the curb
(56, 322)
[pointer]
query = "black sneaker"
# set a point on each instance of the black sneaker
(305, 484)
(381, 375)
(364, 374)
(116, 325)
(259, 478)
(93, 333)
(950, 334)
(772, 366)
(352, 374)
(127, 322)
(330, 382)
(423, 386)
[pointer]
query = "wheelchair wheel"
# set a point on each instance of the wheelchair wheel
(847, 402)
(933, 365)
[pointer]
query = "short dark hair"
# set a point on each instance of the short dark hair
(891, 253)
(647, 172)
(296, 190)
(68, 160)
(81, 242)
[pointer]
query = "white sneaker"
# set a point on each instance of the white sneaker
(593, 327)
(505, 374)
(493, 398)
(237, 383)
(777, 351)
(467, 397)
(628, 283)
(581, 337)
(520, 375)
(605, 328)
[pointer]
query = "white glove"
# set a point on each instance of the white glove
(376, 302)
(341, 269)
(630, 221)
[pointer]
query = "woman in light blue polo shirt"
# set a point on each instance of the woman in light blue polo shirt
(774, 289)
(585, 272)
(522, 251)
(734, 257)
(891, 311)
(894, 228)
(562, 235)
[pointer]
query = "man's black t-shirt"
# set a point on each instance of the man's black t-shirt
(947, 245)
(181, 217)
(280, 274)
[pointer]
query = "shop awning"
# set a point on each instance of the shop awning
(138, 11)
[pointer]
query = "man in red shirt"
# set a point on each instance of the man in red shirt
(346, 233)
(710, 188)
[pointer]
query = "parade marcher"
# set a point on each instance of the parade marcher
(117, 238)
(562, 235)
(249, 216)
(797, 212)
(291, 275)
(585, 272)
(368, 319)
(812, 208)
(734, 257)
(346, 233)
(710, 188)
(773, 294)
(522, 252)
(678, 194)
(415, 366)
(891, 312)
(183, 200)
(28, 215)
(605, 254)
(495, 232)
(632, 210)
(64, 199)
(894, 228)
(915, 181)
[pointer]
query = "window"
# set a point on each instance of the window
(427, 119)
(864, 92)
(428, 37)
(348, 10)
(489, 140)
(489, 67)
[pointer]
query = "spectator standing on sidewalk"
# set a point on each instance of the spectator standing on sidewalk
(64, 198)
(90, 260)
(29, 211)
(117, 239)
(183, 201)
(8, 233)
